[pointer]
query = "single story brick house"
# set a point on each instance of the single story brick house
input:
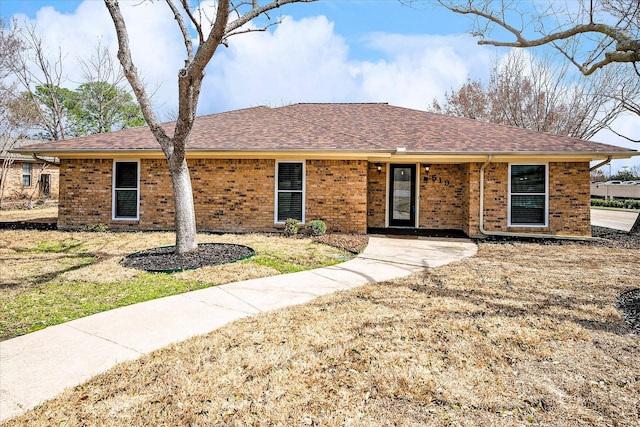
(358, 167)
(25, 176)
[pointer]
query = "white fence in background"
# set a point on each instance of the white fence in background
(606, 191)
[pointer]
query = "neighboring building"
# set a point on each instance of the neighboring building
(616, 190)
(26, 176)
(358, 167)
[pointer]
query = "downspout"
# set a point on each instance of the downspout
(510, 233)
(43, 160)
(601, 164)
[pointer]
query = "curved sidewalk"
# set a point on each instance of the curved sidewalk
(38, 366)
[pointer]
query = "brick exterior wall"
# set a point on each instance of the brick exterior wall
(85, 193)
(441, 197)
(13, 185)
(229, 195)
(350, 195)
(376, 195)
(569, 200)
(337, 194)
(452, 200)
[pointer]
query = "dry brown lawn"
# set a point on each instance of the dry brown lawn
(47, 210)
(521, 334)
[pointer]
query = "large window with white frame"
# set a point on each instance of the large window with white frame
(126, 189)
(290, 180)
(528, 195)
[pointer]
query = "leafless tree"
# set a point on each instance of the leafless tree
(534, 93)
(230, 19)
(41, 78)
(590, 34)
(10, 48)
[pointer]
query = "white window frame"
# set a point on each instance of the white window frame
(115, 189)
(29, 174)
(545, 194)
(277, 190)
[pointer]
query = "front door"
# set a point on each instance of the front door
(402, 200)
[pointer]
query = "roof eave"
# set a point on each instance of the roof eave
(391, 155)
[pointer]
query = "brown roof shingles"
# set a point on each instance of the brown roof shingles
(352, 127)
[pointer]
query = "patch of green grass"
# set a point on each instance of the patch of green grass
(61, 246)
(57, 302)
(40, 292)
(313, 256)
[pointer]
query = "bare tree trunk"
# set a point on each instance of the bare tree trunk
(36, 187)
(189, 85)
(185, 212)
(4, 173)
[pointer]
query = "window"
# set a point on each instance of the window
(528, 195)
(290, 191)
(125, 190)
(27, 169)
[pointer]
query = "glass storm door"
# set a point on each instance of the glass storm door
(402, 200)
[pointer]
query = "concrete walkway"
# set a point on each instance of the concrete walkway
(616, 219)
(38, 366)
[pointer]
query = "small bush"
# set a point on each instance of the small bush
(99, 228)
(291, 227)
(317, 227)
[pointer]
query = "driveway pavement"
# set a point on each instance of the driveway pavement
(618, 220)
(38, 366)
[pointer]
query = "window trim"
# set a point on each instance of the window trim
(30, 174)
(545, 194)
(114, 190)
(277, 190)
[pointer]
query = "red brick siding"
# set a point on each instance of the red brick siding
(229, 195)
(441, 201)
(238, 195)
(13, 188)
(569, 200)
(234, 195)
(337, 194)
(376, 195)
(85, 193)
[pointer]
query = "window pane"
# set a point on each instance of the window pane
(289, 206)
(26, 174)
(126, 203)
(290, 176)
(527, 210)
(126, 175)
(402, 181)
(528, 178)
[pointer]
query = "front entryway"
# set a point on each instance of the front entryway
(402, 196)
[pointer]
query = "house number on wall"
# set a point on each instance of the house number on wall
(435, 178)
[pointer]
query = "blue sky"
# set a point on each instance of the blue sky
(326, 51)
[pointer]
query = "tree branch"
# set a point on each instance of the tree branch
(626, 50)
(131, 73)
(183, 28)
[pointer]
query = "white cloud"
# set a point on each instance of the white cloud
(155, 42)
(300, 60)
(628, 125)
(306, 61)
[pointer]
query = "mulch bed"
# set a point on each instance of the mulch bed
(629, 306)
(166, 260)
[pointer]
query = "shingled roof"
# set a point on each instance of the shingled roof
(367, 127)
